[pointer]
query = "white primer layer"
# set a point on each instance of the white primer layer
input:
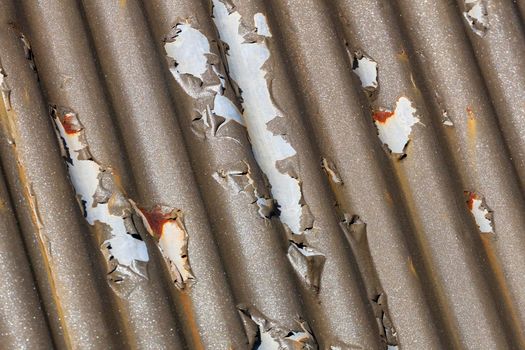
(366, 70)
(191, 52)
(245, 62)
(480, 213)
(261, 25)
(395, 131)
(85, 175)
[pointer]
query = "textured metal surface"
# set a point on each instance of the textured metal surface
(386, 252)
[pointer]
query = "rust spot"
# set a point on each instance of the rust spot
(70, 123)
(470, 113)
(471, 132)
(157, 218)
(471, 197)
(382, 116)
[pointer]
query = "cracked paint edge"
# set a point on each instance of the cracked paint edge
(266, 334)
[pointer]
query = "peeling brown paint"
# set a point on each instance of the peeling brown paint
(356, 233)
(239, 177)
(308, 263)
(264, 333)
(331, 171)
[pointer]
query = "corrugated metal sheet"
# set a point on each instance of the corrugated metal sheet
(370, 196)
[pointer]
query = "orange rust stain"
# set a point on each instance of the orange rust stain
(190, 322)
(470, 201)
(123, 3)
(12, 130)
(470, 113)
(68, 124)
(382, 116)
(471, 131)
(157, 219)
(501, 281)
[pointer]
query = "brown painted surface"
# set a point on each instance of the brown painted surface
(390, 229)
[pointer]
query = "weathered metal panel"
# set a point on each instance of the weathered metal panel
(224, 174)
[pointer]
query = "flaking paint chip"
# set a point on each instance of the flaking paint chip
(266, 334)
(394, 127)
(307, 262)
(238, 177)
(476, 16)
(331, 171)
(196, 69)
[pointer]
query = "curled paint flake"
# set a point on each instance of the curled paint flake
(265, 334)
(331, 171)
(101, 200)
(239, 178)
(478, 209)
(307, 262)
(27, 47)
(247, 53)
(165, 225)
(476, 16)
(196, 70)
(394, 128)
(366, 69)
(5, 90)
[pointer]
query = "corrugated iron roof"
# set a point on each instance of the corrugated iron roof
(226, 174)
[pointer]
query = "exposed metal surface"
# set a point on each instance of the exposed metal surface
(227, 174)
